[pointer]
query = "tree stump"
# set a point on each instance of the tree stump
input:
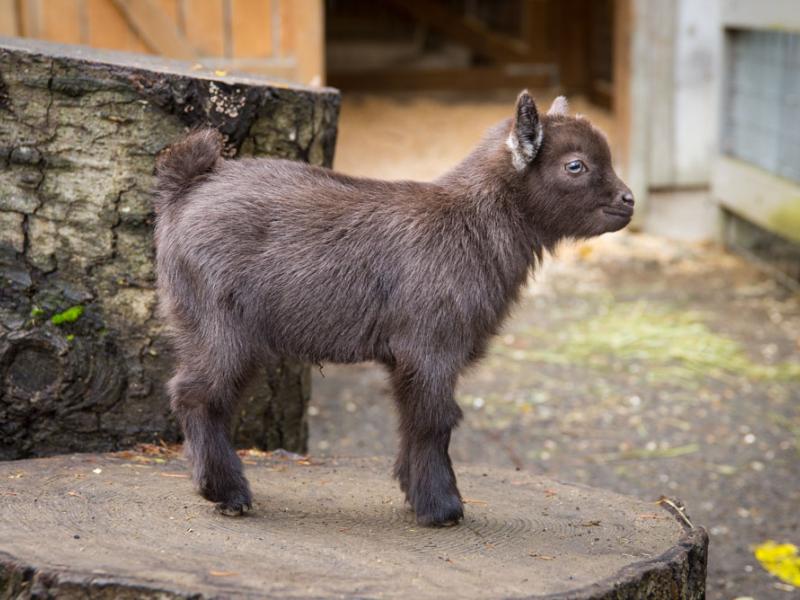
(83, 358)
(126, 525)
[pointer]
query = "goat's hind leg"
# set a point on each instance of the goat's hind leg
(204, 401)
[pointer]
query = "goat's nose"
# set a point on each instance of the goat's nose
(627, 198)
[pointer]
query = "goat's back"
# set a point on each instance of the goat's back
(318, 265)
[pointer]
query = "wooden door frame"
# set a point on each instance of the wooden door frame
(631, 100)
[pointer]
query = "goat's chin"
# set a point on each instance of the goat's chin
(621, 223)
(612, 223)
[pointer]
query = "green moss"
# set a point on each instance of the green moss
(785, 220)
(663, 345)
(36, 312)
(70, 315)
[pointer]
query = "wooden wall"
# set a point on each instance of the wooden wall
(666, 74)
(756, 173)
(280, 38)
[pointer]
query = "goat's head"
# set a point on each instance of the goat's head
(566, 167)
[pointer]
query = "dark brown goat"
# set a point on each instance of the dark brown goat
(260, 259)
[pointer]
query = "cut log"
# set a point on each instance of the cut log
(124, 525)
(83, 357)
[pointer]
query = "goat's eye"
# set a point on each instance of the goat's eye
(575, 166)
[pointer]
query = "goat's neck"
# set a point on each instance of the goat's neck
(503, 247)
(502, 207)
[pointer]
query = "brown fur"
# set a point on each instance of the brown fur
(260, 259)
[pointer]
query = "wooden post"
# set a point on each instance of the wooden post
(631, 99)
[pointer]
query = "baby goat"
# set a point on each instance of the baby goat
(260, 259)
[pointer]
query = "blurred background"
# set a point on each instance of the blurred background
(691, 93)
(660, 360)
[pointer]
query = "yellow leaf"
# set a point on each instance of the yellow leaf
(781, 560)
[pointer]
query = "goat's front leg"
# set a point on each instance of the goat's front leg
(428, 414)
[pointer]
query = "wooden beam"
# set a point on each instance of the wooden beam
(573, 42)
(466, 30)
(622, 79)
(601, 93)
(780, 15)
(631, 114)
(9, 20)
(661, 89)
(107, 27)
(469, 79)
(30, 19)
(309, 36)
(204, 26)
(537, 30)
(758, 196)
(601, 53)
(155, 27)
(61, 22)
(251, 26)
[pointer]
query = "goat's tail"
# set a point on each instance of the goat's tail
(184, 163)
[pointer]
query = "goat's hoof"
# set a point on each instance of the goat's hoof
(236, 503)
(441, 512)
(232, 498)
(233, 508)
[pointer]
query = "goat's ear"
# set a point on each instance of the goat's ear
(559, 107)
(525, 137)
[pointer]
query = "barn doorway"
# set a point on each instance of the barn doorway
(422, 80)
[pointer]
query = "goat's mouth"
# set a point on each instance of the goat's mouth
(623, 212)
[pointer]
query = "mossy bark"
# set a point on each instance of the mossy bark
(79, 133)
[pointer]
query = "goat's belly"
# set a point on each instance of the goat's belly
(322, 310)
(331, 337)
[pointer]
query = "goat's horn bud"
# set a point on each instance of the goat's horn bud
(560, 106)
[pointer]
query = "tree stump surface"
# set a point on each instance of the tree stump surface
(125, 525)
(83, 354)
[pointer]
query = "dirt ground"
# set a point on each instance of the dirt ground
(636, 363)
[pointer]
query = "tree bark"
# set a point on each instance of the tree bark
(83, 355)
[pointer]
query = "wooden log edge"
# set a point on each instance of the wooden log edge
(677, 573)
(686, 563)
(658, 578)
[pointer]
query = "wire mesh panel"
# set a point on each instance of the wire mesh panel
(761, 114)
